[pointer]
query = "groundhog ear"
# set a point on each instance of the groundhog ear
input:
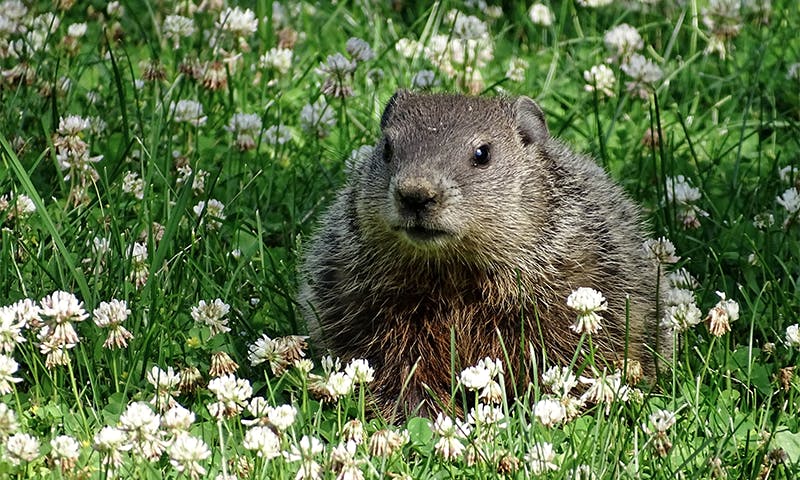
(530, 121)
(387, 111)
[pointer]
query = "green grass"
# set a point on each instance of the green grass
(727, 125)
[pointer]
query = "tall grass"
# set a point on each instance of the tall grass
(727, 123)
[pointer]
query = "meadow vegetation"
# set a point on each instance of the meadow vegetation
(161, 164)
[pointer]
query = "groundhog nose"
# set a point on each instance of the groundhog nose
(415, 196)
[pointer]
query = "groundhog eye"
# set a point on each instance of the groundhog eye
(481, 156)
(388, 152)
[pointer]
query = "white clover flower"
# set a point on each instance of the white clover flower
(211, 212)
(406, 47)
(600, 79)
(560, 380)
(186, 453)
(111, 442)
(677, 296)
(131, 183)
(793, 336)
(492, 393)
(8, 422)
(305, 452)
(660, 250)
(720, 317)
(338, 65)
(482, 414)
(644, 73)
(359, 50)
(72, 125)
(587, 302)
(339, 384)
(142, 427)
(97, 126)
(449, 445)
(343, 461)
(360, 371)
(788, 173)
(21, 447)
(624, 40)
(475, 377)
(470, 27)
(317, 117)
(793, 72)
(258, 407)
(494, 366)
(222, 364)
(424, 79)
(277, 134)
(212, 315)
(176, 27)
(247, 128)
(23, 206)
(338, 73)
(680, 190)
(263, 441)
(233, 393)
(790, 200)
(549, 411)
(14, 9)
(111, 315)
(541, 15)
(53, 348)
(8, 367)
(27, 312)
(178, 419)
(244, 122)
(282, 417)
(76, 30)
(138, 253)
(166, 384)
(353, 431)
(330, 364)
(662, 420)
(278, 59)
(238, 22)
(189, 111)
(10, 328)
(681, 278)
(594, 3)
(64, 452)
(266, 349)
(605, 389)
(384, 443)
(63, 307)
(540, 458)
(516, 69)
(682, 316)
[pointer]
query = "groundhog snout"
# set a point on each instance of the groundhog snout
(416, 197)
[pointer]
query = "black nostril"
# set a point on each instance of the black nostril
(416, 199)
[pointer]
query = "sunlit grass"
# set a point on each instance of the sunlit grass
(177, 163)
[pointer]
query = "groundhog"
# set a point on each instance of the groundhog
(461, 237)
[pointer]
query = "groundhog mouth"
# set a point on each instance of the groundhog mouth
(420, 234)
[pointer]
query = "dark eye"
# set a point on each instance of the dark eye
(388, 151)
(481, 156)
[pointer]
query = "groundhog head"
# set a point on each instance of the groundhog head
(451, 175)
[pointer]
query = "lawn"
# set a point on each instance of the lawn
(164, 164)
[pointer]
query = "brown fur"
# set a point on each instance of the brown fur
(512, 239)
